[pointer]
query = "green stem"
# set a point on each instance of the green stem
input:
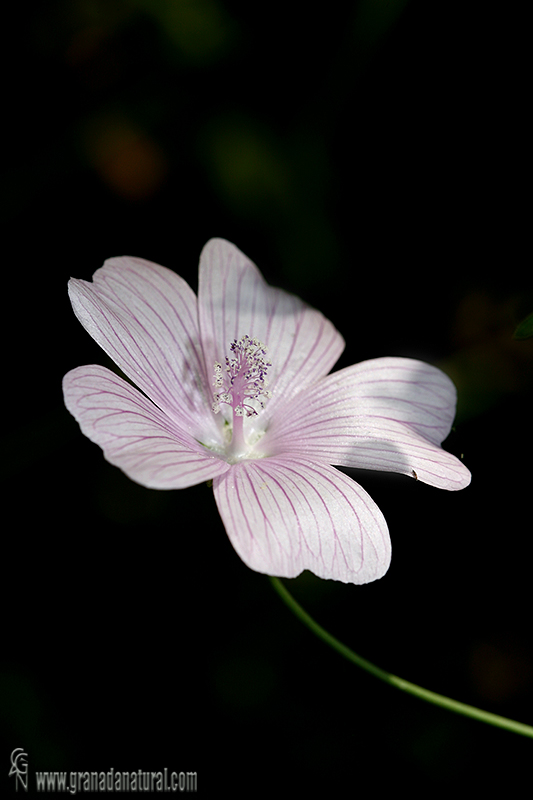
(393, 680)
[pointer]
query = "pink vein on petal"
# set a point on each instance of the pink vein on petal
(347, 420)
(151, 336)
(134, 434)
(287, 514)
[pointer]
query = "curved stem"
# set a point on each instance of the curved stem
(394, 680)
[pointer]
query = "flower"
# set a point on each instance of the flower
(204, 412)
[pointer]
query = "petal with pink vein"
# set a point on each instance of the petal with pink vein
(134, 434)
(145, 318)
(286, 514)
(234, 300)
(387, 414)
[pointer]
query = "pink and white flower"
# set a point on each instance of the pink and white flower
(234, 388)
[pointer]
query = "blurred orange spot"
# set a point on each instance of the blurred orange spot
(127, 160)
(499, 672)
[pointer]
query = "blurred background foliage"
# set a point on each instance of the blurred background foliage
(370, 157)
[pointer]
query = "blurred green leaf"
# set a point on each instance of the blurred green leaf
(525, 329)
(202, 30)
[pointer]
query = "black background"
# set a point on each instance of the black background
(370, 158)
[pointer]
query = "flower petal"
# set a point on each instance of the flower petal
(285, 514)
(134, 434)
(145, 318)
(386, 414)
(234, 299)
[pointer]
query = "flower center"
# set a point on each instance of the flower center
(241, 384)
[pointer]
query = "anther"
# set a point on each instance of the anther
(245, 378)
